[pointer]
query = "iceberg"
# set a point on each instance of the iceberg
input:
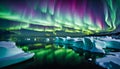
(89, 45)
(100, 43)
(113, 44)
(78, 44)
(11, 54)
(86, 43)
(109, 42)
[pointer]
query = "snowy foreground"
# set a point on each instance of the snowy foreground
(95, 45)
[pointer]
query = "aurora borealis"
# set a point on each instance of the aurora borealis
(84, 16)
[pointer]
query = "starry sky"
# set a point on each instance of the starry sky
(84, 16)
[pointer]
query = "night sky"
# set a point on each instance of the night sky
(84, 16)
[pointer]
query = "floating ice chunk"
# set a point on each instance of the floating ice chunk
(87, 43)
(10, 54)
(97, 50)
(78, 44)
(69, 41)
(6, 52)
(113, 44)
(108, 42)
(7, 44)
(117, 54)
(100, 44)
(110, 61)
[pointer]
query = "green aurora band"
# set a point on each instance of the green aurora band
(85, 16)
